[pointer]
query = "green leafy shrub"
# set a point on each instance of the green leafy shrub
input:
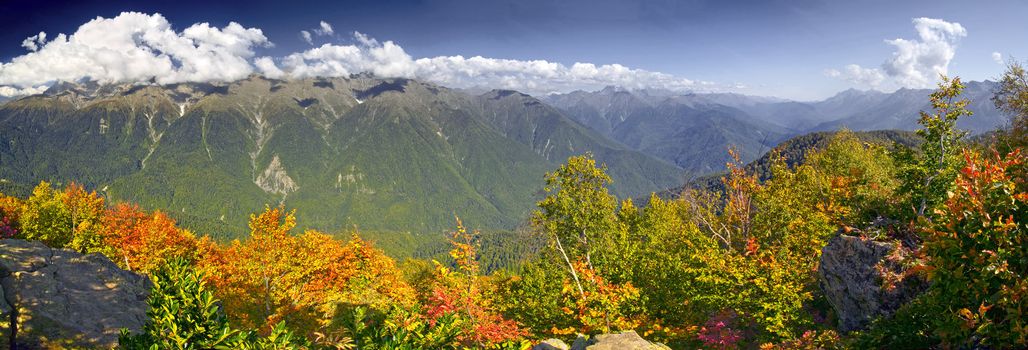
(977, 254)
(184, 314)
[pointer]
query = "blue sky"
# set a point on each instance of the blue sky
(777, 48)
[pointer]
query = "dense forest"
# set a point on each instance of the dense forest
(733, 266)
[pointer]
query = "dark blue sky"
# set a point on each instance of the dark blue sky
(771, 47)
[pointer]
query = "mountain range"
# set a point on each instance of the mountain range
(388, 154)
(694, 130)
(398, 154)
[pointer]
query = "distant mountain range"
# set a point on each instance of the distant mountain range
(694, 131)
(397, 154)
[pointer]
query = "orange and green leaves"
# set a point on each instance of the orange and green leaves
(86, 210)
(10, 209)
(978, 253)
(460, 294)
(143, 242)
(275, 276)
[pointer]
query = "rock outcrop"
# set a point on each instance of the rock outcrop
(551, 344)
(629, 340)
(853, 274)
(56, 298)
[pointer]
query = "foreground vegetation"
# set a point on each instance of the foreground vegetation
(733, 268)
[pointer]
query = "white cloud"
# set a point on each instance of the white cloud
(136, 47)
(387, 59)
(9, 91)
(858, 75)
(998, 57)
(33, 43)
(325, 29)
(914, 63)
(266, 65)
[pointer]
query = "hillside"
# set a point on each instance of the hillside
(793, 151)
(381, 154)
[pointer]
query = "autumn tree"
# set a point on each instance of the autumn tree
(857, 179)
(578, 214)
(1012, 98)
(87, 211)
(275, 276)
(461, 293)
(580, 217)
(46, 218)
(142, 242)
(927, 176)
(770, 235)
(10, 209)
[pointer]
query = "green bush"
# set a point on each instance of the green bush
(184, 314)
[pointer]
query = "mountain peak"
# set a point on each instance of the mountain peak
(497, 94)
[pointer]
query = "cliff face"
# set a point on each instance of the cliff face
(61, 298)
(853, 274)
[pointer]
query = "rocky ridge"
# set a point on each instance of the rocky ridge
(64, 299)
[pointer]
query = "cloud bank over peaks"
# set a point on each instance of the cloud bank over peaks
(142, 48)
(388, 59)
(135, 47)
(914, 63)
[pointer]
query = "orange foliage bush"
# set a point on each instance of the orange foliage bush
(461, 292)
(274, 276)
(143, 242)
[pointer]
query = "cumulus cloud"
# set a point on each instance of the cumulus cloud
(139, 48)
(266, 65)
(136, 47)
(33, 43)
(387, 59)
(324, 29)
(915, 63)
(997, 57)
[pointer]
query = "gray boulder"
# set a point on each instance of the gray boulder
(628, 340)
(551, 344)
(56, 298)
(851, 276)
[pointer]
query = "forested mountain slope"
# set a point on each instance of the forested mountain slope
(389, 154)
